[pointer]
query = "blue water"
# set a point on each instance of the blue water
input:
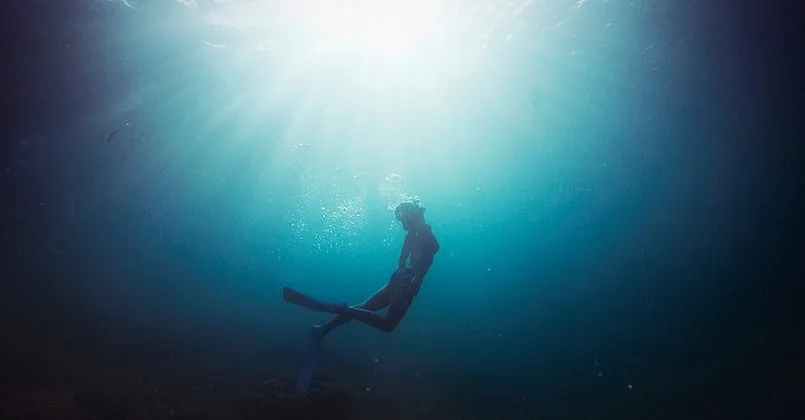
(575, 159)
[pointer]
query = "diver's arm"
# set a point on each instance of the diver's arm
(405, 253)
(424, 261)
(420, 270)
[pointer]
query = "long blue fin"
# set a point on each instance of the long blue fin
(308, 367)
(298, 298)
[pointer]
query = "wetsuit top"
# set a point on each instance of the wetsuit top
(421, 242)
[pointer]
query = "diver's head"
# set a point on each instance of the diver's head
(410, 213)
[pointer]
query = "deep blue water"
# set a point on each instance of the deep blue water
(601, 177)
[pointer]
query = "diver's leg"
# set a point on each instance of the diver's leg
(397, 310)
(401, 296)
(378, 301)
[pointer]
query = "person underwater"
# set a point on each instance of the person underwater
(416, 257)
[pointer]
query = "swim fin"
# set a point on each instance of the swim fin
(308, 367)
(298, 298)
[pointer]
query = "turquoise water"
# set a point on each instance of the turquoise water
(569, 155)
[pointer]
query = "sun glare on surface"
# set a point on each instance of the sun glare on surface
(332, 96)
(369, 83)
(386, 28)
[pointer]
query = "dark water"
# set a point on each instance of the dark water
(613, 185)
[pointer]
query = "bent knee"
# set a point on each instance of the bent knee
(389, 326)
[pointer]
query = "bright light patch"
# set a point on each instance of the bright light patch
(369, 26)
(316, 102)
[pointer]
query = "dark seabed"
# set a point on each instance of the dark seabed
(615, 187)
